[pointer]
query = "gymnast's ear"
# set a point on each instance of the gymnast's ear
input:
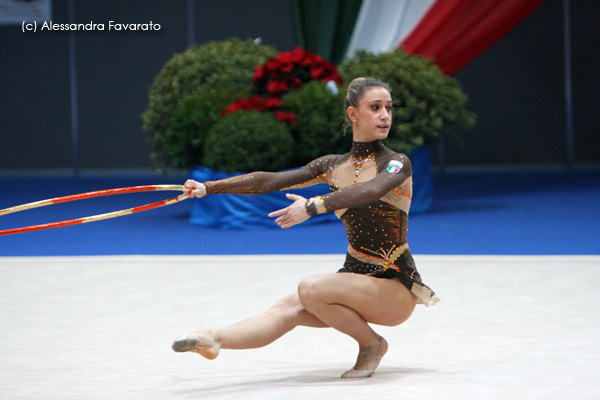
(351, 112)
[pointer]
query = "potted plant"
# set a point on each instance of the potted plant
(273, 128)
(192, 85)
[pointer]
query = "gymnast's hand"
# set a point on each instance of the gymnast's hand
(292, 214)
(192, 189)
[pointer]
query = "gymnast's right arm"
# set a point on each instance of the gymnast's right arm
(260, 182)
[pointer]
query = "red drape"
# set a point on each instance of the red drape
(454, 32)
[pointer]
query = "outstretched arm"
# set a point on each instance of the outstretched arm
(263, 182)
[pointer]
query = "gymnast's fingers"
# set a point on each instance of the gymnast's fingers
(279, 212)
(294, 216)
(190, 183)
(294, 197)
(188, 188)
(194, 189)
(284, 222)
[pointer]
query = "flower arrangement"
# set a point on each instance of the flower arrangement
(214, 85)
(288, 70)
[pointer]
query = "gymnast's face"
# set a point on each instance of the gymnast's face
(372, 118)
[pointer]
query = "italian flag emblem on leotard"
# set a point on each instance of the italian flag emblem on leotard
(394, 167)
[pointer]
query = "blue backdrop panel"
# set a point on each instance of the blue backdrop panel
(242, 211)
(422, 180)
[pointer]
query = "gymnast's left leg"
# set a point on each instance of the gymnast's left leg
(254, 332)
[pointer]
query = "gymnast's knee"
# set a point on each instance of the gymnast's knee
(309, 291)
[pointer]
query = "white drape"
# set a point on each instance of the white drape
(383, 24)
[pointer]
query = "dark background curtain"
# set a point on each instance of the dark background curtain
(325, 27)
(516, 87)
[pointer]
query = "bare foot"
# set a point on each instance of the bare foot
(368, 360)
(202, 343)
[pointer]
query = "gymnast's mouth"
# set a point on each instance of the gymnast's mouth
(383, 126)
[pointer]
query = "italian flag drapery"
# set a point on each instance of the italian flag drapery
(454, 32)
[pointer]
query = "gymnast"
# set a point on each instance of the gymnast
(371, 189)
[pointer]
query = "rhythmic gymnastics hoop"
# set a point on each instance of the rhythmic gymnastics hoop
(89, 195)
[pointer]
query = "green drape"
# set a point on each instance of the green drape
(325, 27)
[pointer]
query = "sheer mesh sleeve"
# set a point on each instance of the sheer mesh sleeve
(266, 182)
(395, 170)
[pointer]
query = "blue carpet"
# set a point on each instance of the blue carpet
(526, 212)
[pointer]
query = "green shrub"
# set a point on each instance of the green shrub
(320, 116)
(215, 65)
(248, 141)
(427, 103)
(190, 124)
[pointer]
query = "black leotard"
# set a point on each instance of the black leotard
(371, 190)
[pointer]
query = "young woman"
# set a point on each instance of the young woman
(371, 193)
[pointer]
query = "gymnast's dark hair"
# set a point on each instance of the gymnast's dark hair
(356, 90)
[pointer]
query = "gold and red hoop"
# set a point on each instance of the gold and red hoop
(89, 195)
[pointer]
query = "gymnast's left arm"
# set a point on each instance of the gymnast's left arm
(398, 169)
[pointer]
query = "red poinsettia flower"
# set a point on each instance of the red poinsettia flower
(259, 104)
(287, 67)
(312, 58)
(287, 62)
(259, 73)
(317, 71)
(298, 55)
(273, 102)
(277, 87)
(293, 82)
(273, 64)
(283, 116)
(252, 103)
(232, 108)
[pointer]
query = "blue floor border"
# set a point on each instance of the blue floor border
(498, 212)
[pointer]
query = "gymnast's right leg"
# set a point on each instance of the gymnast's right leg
(251, 333)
